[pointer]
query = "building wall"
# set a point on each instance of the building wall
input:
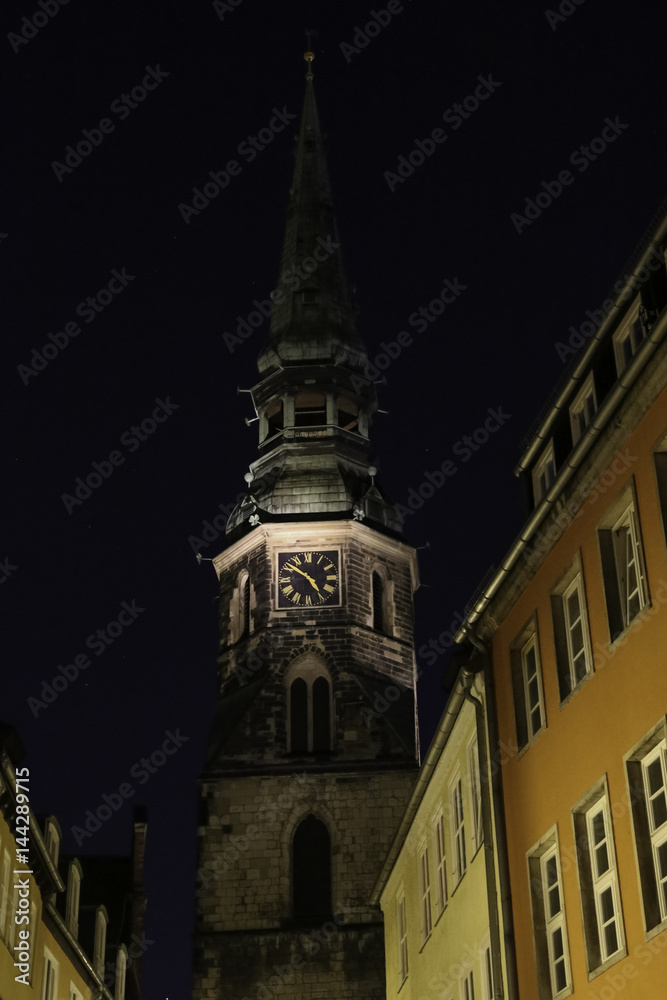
(461, 932)
(587, 736)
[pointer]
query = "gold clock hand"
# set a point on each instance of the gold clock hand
(308, 578)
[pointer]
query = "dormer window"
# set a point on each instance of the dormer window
(53, 839)
(628, 338)
(309, 707)
(310, 409)
(100, 945)
(121, 972)
(583, 409)
(544, 474)
(73, 895)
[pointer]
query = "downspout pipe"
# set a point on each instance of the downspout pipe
(492, 808)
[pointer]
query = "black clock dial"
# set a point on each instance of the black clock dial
(307, 579)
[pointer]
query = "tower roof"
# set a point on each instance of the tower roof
(314, 316)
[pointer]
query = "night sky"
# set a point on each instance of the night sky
(167, 284)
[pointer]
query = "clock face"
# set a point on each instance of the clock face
(308, 579)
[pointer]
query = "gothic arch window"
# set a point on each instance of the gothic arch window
(309, 707)
(311, 870)
(241, 618)
(381, 601)
(73, 896)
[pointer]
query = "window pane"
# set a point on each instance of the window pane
(321, 715)
(299, 716)
(311, 867)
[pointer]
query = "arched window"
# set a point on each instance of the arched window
(245, 606)
(99, 948)
(73, 896)
(121, 970)
(378, 602)
(310, 409)
(309, 707)
(311, 870)
(239, 609)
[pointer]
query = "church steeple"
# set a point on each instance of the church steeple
(314, 401)
(314, 317)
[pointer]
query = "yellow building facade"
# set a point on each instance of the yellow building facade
(440, 888)
(575, 625)
(41, 922)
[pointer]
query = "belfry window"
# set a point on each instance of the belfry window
(310, 409)
(378, 603)
(311, 870)
(309, 709)
(274, 417)
(348, 414)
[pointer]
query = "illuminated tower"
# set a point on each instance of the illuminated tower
(313, 750)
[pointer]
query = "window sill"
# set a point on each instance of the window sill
(654, 931)
(532, 741)
(568, 698)
(607, 964)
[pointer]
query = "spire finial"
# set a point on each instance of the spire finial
(309, 55)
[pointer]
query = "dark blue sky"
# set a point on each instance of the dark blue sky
(442, 123)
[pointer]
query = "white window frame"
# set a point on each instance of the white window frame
(527, 686)
(648, 835)
(657, 832)
(121, 973)
(74, 992)
(49, 977)
(544, 474)
(53, 839)
(459, 855)
(546, 924)
(475, 784)
(629, 562)
(402, 933)
(581, 652)
(425, 894)
(631, 329)
(530, 673)
(555, 921)
(604, 883)
(574, 657)
(467, 984)
(486, 968)
(440, 861)
(583, 409)
(622, 554)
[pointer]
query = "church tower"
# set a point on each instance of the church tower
(313, 751)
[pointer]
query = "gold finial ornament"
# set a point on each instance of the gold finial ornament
(309, 56)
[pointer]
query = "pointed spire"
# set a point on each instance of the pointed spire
(314, 320)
